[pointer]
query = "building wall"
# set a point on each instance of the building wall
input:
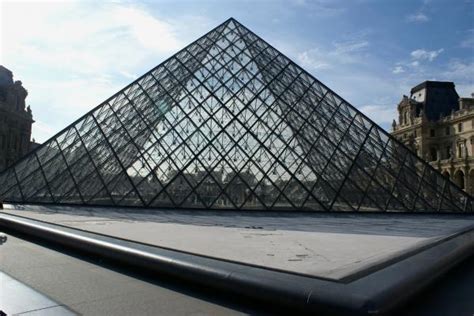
(446, 143)
(15, 120)
(419, 95)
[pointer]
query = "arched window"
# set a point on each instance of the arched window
(459, 179)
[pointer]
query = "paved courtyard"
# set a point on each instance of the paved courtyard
(81, 287)
(332, 246)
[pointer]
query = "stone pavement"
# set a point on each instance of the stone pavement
(332, 246)
(65, 285)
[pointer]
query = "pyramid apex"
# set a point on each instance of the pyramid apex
(234, 20)
(229, 122)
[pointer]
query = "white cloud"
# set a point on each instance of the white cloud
(321, 8)
(462, 73)
(66, 101)
(300, 2)
(73, 55)
(350, 46)
(42, 131)
(347, 68)
(382, 114)
(313, 59)
(421, 54)
(398, 70)
(152, 33)
(468, 42)
(80, 39)
(460, 69)
(128, 75)
(418, 17)
(344, 52)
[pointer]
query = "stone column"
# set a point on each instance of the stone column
(451, 169)
(467, 181)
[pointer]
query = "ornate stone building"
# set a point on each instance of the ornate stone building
(439, 126)
(15, 120)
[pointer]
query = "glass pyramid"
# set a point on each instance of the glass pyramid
(229, 122)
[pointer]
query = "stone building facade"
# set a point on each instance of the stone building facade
(15, 120)
(439, 126)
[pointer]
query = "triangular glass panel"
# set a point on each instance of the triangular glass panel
(14, 192)
(72, 197)
(101, 198)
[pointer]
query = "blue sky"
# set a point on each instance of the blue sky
(73, 55)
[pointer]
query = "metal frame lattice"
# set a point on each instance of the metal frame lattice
(229, 122)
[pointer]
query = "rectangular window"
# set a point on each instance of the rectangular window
(432, 132)
(448, 152)
(447, 130)
(461, 150)
(460, 127)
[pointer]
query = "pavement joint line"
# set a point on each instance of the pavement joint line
(40, 309)
(25, 296)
